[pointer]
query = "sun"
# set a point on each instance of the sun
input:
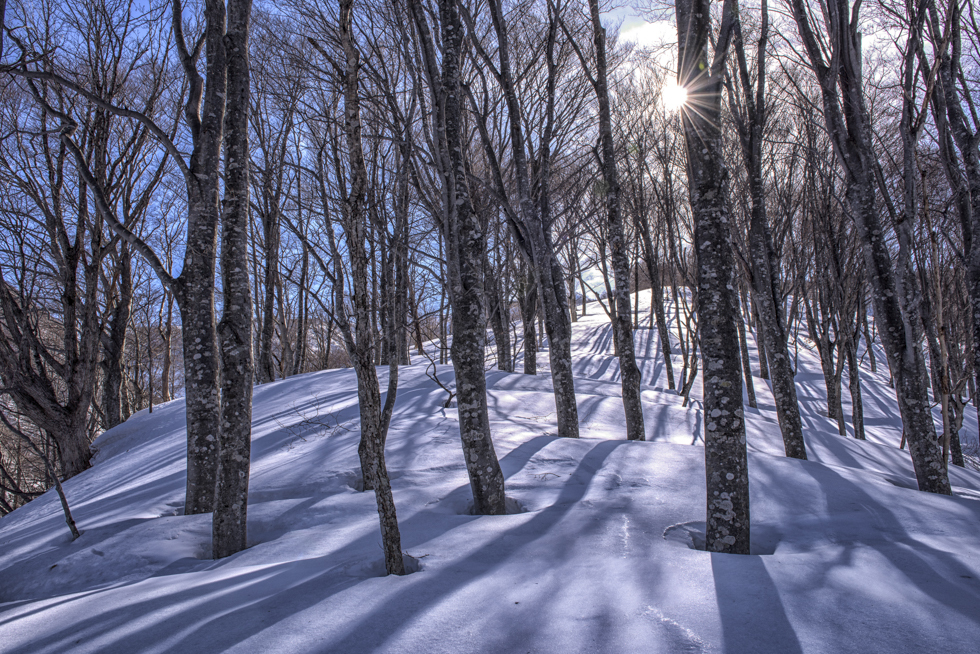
(673, 96)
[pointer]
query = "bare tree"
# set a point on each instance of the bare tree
(750, 112)
(837, 65)
(629, 372)
(726, 460)
(229, 534)
(465, 241)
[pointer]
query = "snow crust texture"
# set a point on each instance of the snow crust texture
(598, 551)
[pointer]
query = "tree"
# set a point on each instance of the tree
(531, 221)
(465, 242)
(360, 345)
(750, 113)
(726, 459)
(229, 533)
(629, 372)
(838, 69)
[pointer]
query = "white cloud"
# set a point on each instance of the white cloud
(646, 34)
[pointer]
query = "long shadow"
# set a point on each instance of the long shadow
(658, 369)
(335, 402)
(877, 401)
(601, 338)
(280, 591)
(600, 373)
(587, 409)
(383, 623)
(931, 569)
(753, 618)
(836, 445)
(188, 611)
(49, 529)
(515, 460)
(47, 605)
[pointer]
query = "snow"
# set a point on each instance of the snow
(597, 556)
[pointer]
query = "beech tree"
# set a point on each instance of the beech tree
(622, 329)
(895, 293)
(749, 111)
(531, 220)
(229, 533)
(361, 347)
(726, 459)
(465, 241)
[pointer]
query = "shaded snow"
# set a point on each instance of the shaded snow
(849, 558)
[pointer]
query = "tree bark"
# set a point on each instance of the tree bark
(657, 295)
(726, 459)
(535, 222)
(498, 318)
(194, 289)
(360, 344)
(629, 372)
(743, 346)
(270, 229)
(465, 244)
(114, 343)
(854, 385)
(527, 299)
(229, 533)
(773, 350)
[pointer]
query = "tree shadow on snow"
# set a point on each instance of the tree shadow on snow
(753, 618)
(225, 610)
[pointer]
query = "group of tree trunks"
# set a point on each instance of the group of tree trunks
(430, 170)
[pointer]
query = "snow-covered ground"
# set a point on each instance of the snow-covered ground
(848, 556)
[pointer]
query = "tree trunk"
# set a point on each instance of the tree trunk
(362, 350)
(629, 372)
(166, 335)
(270, 232)
(743, 346)
(953, 127)
(302, 315)
(657, 296)
(527, 299)
(465, 244)
(114, 343)
(760, 341)
(854, 385)
(229, 533)
(195, 299)
(726, 459)
(498, 318)
(771, 336)
(536, 223)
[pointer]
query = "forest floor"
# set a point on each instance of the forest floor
(847, 555)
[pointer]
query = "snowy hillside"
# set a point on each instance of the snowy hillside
(848, 556)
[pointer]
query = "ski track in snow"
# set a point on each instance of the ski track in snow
(848, 557)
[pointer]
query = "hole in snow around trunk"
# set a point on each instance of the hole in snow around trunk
(375, 567)
(691, 535)
(687, 534)
(511, 505)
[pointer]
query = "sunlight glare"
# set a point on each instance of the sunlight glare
(673, 96)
